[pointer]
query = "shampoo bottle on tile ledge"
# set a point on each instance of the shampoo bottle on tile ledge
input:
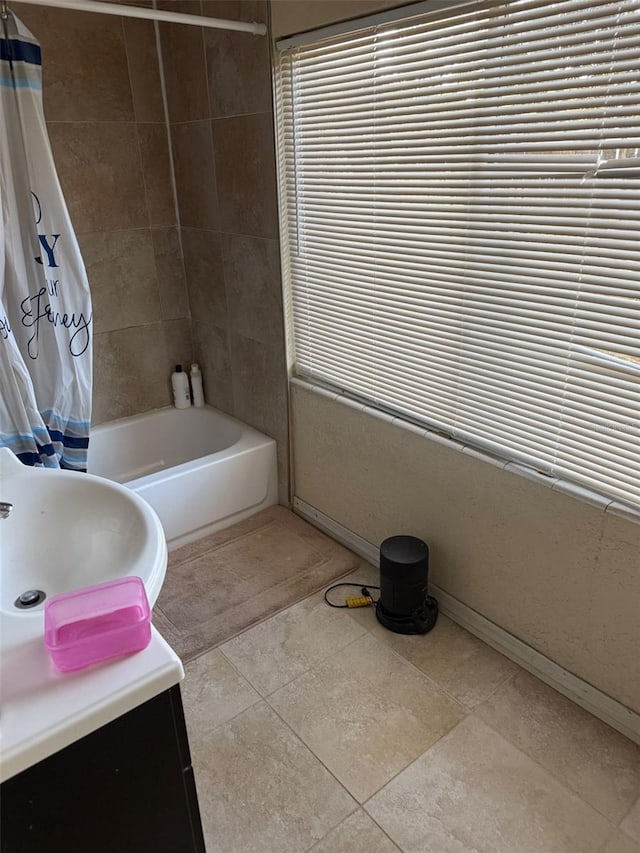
(180, 385)
(196, 386)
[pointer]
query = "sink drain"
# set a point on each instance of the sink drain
(30, 598)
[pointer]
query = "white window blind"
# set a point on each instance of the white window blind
(460, 205)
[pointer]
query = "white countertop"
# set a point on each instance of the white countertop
(43, 710)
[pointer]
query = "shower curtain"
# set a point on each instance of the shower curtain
(45, 304)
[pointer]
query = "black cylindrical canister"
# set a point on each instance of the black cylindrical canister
(404, 575)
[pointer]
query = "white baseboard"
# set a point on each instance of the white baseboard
(609, 710)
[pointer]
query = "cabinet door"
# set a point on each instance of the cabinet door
(126, 788)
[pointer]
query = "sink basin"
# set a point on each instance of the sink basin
(69, 530)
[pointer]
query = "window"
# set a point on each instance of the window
(460, 197)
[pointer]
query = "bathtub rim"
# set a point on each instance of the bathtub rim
(248, 438)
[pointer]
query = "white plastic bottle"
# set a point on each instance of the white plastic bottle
(180, 385)
(196, 386)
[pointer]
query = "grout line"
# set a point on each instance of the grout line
(225, 232)
(628, 812)
(311, 752)
(129, 75)
(257, 701)
(509, 677)
(315, 844)
(412, 762)
(165, 107)
(564, 784)
(311, 665)
(466, 713)
(417, 669)
(382, 829)
(306, 748)
(223, 118)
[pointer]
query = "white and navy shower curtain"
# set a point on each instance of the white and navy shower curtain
(45, 304)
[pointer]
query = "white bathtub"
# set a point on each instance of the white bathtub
(198, 468)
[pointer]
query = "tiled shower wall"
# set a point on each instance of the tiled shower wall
(219, 97)
(105, 114)
(104, 111)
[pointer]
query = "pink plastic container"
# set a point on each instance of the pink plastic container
(98, 622)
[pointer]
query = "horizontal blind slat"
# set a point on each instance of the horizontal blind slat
(460, 204)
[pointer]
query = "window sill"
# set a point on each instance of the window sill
(556, 484)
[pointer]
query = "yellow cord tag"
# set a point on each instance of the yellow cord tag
(358, 601)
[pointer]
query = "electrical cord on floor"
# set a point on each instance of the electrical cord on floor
(363, 600)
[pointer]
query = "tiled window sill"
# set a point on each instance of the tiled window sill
(606, 504)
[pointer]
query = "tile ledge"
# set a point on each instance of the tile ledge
(556, 484)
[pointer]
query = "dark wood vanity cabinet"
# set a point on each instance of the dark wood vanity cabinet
(126, 788)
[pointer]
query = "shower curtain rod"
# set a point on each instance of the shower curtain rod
(125, 11)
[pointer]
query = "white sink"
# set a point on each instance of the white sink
(69, 530)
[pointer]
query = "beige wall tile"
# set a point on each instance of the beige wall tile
(259, 386)
(174, 301)
(253, 287)
(205, 279)
(385, 711)
(156, 170)
(76, 50)
(144, 71)
(239, 73)
(583, 753)
(101, 174)
(264, 790)
(195, 174)
(122, 274)
(211, 350)
(525, 557)
(179, 348)
(245, 170)
(184, 66)
(475, 791)
(357, 834)
(129, 370)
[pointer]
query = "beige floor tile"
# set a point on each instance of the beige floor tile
(357, 834)
(366, 714)
(456, 660)
(260, 789)
(474, 791)
(631, 823)
(621, 843)
(212, 693)
(599, 764)
(364, 573)
(277, 651)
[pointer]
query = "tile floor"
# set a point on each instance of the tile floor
(319, 730)
(220, 585)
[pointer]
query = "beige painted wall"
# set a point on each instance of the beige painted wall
(296, 16)
(560, 574)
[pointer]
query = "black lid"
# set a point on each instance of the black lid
(178, 368)
(404, 550)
